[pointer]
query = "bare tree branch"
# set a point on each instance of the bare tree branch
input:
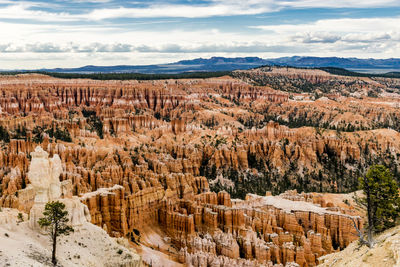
(360, 235)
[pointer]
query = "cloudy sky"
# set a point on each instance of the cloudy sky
(37, 34)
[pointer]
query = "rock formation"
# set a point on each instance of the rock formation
(262, 230)
(45, 187)
(44, 177)
(158, 158)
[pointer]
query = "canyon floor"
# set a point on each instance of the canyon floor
(207, 172)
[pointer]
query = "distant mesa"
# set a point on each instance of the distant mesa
(242, 63)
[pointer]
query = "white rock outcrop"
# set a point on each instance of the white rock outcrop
(44, 176)
(44, 173)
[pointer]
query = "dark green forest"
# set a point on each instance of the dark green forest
(128, 76)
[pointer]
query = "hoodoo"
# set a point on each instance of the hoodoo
(198, 172)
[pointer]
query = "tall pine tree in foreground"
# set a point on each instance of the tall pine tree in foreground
(55, 223)
(381, 201)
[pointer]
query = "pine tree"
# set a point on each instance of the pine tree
(55, 222)
(381, 200)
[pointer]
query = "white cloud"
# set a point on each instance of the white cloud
(364, 37)
(71, 47)
(337, 3)
(45, 45)
(179, 11)
(23, 9)
(340, 30)
(244, 47)
(51, 42)
(339, 25)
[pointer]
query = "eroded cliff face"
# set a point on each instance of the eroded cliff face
(175, 154)
(262, 230)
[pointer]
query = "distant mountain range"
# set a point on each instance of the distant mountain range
(354, 64)
(229, 64)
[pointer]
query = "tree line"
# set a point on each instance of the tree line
(126, 76)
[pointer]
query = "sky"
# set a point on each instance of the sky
(47, 34)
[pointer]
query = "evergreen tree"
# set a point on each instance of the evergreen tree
(381, 200)
(4, 135)
(55, 222)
